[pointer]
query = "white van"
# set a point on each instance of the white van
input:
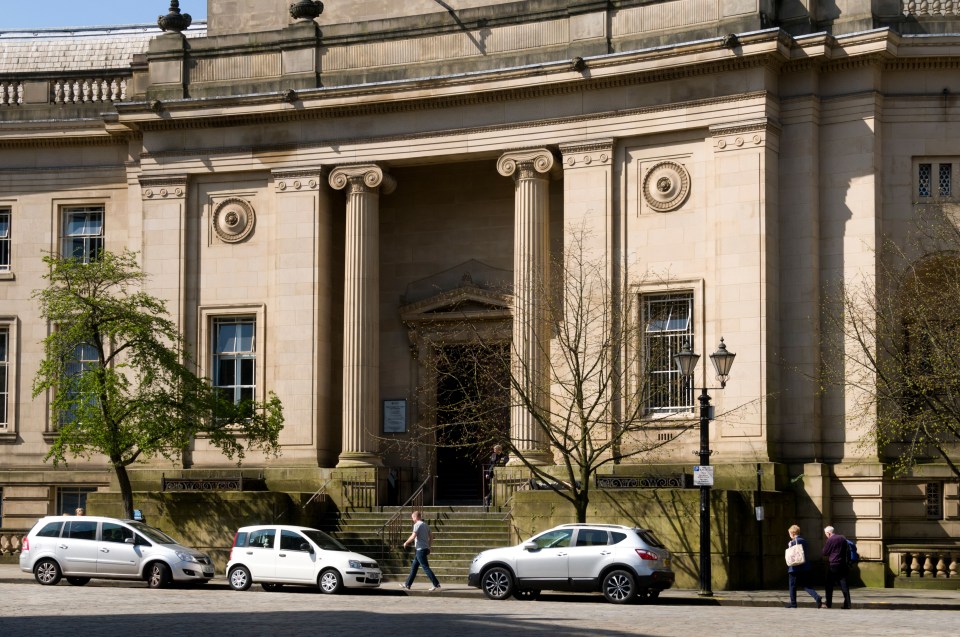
(273, 555)
(81, 548)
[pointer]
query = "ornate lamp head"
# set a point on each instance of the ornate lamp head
(174, 21)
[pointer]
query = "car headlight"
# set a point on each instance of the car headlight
(186, 557)
(355, 564)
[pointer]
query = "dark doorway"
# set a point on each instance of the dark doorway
(473, 411)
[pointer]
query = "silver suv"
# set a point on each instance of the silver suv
(622, 562)
(80, 548)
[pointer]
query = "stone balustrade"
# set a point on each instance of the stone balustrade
(63, 91)
(935, 562)
(928, 8)
(10, 541)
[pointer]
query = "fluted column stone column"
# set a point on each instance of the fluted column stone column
(531, 288)
(361, 309)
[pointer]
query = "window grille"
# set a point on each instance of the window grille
(235, 358)
(945, 178)
(934, 494)
(668, 326)
(83, 233)
(924, 187)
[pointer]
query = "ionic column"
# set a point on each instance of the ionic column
(361, 311)
(531, 288)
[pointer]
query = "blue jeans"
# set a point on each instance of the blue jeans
(420, 559)
(798, 579)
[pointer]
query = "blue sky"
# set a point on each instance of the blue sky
(27, 14)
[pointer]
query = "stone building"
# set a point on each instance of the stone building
(316, 185)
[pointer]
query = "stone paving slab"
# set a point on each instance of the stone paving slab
(862, 598)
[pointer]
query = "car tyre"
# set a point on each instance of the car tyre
(77, 581)
(240, 579)
(526, 594)
(497, 583)
(619, 587)
(330, 581)
(47, 572)
(270, 587)
(158, 575)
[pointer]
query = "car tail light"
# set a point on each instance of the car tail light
(232, 546)
(647, 555)
(25, 546)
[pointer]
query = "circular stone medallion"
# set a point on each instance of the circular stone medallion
(666, 186)
(233, 220)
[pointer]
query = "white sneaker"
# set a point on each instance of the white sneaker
(433, 588)
(404, 586)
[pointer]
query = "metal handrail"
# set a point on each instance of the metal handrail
(390, 532)
(322, 491)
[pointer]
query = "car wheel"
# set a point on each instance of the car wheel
(47, 572)
(619, 587)
(270, 587)
(240, 579)
(526, 594)
(497, 583)
(78, 581)
(330, 581)
(158, 575)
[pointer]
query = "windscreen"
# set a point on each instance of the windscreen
(151, 533)
(324, 541)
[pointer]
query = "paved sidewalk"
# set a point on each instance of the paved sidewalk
(863, 598)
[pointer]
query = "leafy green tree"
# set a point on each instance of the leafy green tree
(119, 378)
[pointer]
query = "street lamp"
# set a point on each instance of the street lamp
(686, 362)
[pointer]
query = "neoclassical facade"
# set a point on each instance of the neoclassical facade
(309, 195)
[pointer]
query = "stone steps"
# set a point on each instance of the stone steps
(459, 534)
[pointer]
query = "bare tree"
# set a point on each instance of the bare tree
(590, 406)
(893, 344)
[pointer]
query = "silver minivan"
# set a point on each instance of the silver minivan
(85, 547)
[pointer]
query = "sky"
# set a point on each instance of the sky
(30, 14)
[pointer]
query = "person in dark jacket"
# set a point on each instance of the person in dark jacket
(497, 459)
(836, 551)
(800, 575)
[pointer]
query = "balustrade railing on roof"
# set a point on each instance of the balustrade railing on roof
(65, 91)
(931, 8)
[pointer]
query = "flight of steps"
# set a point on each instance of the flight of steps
(459, 533)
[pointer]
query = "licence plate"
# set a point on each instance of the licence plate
(208, 570)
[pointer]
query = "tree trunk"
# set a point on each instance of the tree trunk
(126, 491)
(581, 502)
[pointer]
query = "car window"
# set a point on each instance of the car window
(324, 541)
(553, 539)
(262, 539)
(240, 539)
(617, 537)
(591, 537)
(50, 529)
(293, 541)
(649, 538)
(81, 530)
(113, 532)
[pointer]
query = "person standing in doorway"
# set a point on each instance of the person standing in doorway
(497, 459)
(835, 550)
(799, 575)
(421, 538)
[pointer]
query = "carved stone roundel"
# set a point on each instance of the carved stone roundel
(233, 219)
(666, 186)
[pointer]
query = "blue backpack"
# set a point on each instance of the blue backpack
(852, 555)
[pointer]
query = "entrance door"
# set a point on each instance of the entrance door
(472, 411)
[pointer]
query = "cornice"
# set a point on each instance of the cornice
(540, 123)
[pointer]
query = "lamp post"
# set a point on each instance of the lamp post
(686, 362)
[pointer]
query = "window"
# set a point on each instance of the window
(293, 541)
(668, 326)
(262, 539)
(113, 532)
(4, 239)
(235, 358)
(50, 529)
(4, 376)
(934, 496)
(84, 357)
(81, 530)
(934, 179)
(558, 538)
(83, 233)
(923, 180)
(945, 178)
(69, 499)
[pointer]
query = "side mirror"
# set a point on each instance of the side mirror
(129, 540)
(306, 547)
(530, 546)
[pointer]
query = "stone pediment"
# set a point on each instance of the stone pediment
(465, 303)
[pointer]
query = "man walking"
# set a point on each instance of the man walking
(835, 550)
(421, 538)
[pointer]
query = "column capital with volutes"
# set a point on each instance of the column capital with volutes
(529, 163)
(362, 178)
